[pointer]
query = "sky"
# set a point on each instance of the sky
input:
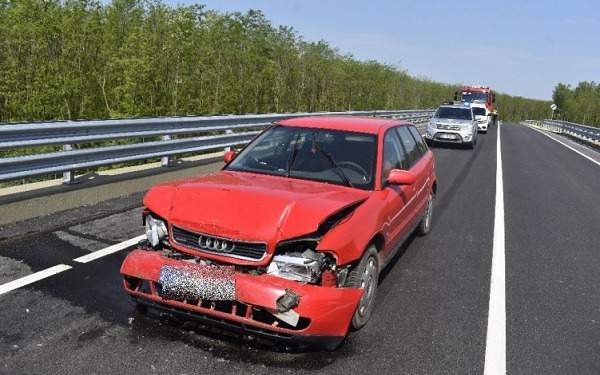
(517, 47)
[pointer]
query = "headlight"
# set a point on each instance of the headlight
(156, 230)
(295, 267)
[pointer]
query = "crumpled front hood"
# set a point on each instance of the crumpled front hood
(249, 207)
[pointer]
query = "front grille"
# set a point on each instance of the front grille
(448, 127)
(244, 250)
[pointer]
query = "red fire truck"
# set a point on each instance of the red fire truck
(478, 94)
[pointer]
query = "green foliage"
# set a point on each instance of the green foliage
(516, 108)
(82, 59)
(580, 105)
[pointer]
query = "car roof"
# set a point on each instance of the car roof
(360, 124)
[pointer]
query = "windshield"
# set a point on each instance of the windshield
(456, 113)
(474, 96)
(479, 111)
(323, 155)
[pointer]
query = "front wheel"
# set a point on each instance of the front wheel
(365, 276)
(425, 224)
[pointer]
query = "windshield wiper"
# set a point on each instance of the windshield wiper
(292, 156)
(334, 163)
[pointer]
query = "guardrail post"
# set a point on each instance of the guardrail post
(166, 160)
(228, 131)
(69, 176)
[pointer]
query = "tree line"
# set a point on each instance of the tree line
(580, 105)
(82, 59)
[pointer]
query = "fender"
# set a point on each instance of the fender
(344, 241)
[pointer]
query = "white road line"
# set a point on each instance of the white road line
(19, 283)
(109, 250)
(495, 350)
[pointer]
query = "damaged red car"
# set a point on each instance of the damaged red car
(287, 240)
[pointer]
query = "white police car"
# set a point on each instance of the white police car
(452, 123)
(482, 115)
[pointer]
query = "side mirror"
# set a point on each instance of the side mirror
(400, 177)
(229, 156)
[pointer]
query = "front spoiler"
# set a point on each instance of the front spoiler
(325, 312)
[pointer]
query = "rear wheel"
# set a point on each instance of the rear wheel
(365, 276)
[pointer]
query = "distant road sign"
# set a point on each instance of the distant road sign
(553, 107)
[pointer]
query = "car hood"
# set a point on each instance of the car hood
(451, 121)
(249, 207)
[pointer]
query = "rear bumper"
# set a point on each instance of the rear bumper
(324, 312)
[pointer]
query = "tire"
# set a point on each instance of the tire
(365, 276)
(425, 225)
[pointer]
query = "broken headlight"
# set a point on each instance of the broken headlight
(156, 230)
(304, 267)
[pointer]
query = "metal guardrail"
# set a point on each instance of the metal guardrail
(586, 133)
(204, 134)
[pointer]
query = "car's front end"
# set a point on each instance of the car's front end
(482, 123)
(242, 299)
(482, 115)
(450, 130)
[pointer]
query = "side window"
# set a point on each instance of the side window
(410, 146)
(393, 155)
(418, 138)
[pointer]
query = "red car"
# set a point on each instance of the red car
(287, 240)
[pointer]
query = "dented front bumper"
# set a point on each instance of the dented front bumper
(322, 314)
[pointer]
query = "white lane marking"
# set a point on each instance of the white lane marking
(495, 349)
(567, 146)
(23, 281)
(109, 250)
(19, 283)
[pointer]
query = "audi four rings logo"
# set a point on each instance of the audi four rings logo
(215, 244)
